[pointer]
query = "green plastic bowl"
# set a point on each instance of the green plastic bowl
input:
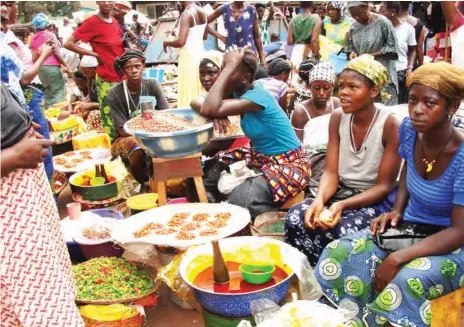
(93, 193)
(257, 274)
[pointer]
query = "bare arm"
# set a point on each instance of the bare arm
(272, 10)
(411, 55)
(299, 120)
(183, 33)
(211, 18)
(315, 37)
(290, 38)
(420, 46)
(258, 42)
(450, 12)
(71, 44)
(329, 180)
(387, 173)
(38, 59)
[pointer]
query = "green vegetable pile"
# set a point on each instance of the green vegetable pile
(111, 279)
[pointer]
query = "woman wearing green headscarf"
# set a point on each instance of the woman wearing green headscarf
(361, 165)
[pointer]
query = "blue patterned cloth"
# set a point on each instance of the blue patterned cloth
(240, 32)
(345, 272)
(11, 70)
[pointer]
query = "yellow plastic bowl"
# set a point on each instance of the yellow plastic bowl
(142, 202)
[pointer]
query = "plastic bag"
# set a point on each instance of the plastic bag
(127, 185)
(229, 181)
(301, 314)
(212, 170)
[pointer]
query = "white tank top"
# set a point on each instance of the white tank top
(195, 35)
(359, 169)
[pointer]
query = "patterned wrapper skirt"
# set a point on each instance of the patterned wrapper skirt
(345, 273)
(37, 283)
(287, 174)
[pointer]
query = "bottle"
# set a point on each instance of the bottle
(103, 173)
(220, 271)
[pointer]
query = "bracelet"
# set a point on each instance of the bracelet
(409, 67)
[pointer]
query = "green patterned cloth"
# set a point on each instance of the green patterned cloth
(346, 269)
(53, 84)
(102, 93)
(264, 31)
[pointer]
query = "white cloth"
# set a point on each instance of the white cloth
(457, 43)
(65, 32)
(406, 37)
(195, 36)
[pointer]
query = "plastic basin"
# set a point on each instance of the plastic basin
(176, 144)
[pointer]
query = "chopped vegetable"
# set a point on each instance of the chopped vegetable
(111, 279)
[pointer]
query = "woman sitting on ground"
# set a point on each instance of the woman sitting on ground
(275, 151)
(361, 165)
(124, 101)
(394, 284)
(310, 114)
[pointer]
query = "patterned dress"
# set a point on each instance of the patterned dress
(37, 284)
(379, 35)
(239, 32)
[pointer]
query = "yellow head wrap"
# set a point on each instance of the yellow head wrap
(214, 56)
(373, 70)
(441, 76)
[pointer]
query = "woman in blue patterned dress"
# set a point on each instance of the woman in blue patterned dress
(395, 287)
(361, 165)
(241, 23)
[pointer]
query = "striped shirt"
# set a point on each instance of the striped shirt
(431, 202)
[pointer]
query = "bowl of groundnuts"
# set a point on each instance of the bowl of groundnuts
(171, 133)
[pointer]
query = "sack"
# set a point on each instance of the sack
(404, 236)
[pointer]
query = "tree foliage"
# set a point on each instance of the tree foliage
(27, 9)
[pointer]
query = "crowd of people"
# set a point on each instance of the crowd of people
(309, 126)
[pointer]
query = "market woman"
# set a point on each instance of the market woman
(361, 165)
(124, 101)
(336, 24)
(37, 283)
(275, 151)
(242, 24)
(396, 283)
(303, 34)
(190, 41)
(50, 73)
(105, 36)
(375, 35)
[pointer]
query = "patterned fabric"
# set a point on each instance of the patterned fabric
(287, 174)
(447, 79)
(322, 72)
(37, 283)
(40, 21)
(53, 84)
(345, 273)
(264, 31)
(94, 122)
(239, 32)
(12, 70)
(351, 4)
(313, 242)
(379, 35)
(123, 147)
(337, 32)
(102, 93)
(373, 70)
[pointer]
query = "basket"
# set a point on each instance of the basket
(151, 270)
(270, 224)
(136, 321)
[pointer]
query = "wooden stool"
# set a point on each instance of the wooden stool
(174, 168)
(448, 310)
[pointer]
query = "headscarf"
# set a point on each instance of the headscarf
(88, 62)
(215, 57)
(123, 5)
(278, 66)
(441, 76)
(340, 6)
(40, 21)
(305, 68)
(276, 54)
(351, 4)
(322, 72)
(373, 70)
(121, 60)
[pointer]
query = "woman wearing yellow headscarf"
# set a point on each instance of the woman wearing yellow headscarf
(390, 281)
(361, 166)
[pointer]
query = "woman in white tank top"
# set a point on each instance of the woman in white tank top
(361, 167)
(193, 23)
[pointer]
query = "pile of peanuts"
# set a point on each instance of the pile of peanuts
(161, 122)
